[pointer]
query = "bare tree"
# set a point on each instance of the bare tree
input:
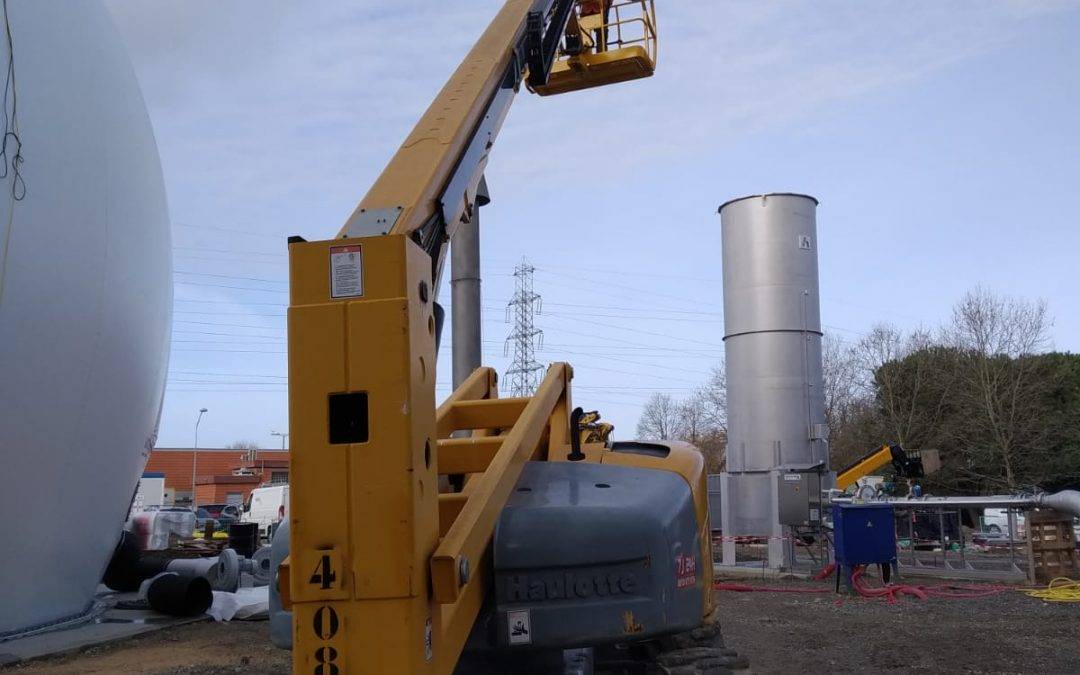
(703, 426)
(660, 418)
(692, 424)
(713, 399)
(1003, 385)
(842, 382)
(904, 373)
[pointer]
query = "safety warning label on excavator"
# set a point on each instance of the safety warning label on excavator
(685, 571)
(346, 272)
(519, 627)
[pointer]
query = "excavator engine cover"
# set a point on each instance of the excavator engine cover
(589, 554)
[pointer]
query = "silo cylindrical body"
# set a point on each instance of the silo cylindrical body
(85, 307)
(772, 345)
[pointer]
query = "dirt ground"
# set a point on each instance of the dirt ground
(204, 648)
(778, 632)
(1006, 633)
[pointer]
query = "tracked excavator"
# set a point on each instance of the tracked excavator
(481, 534)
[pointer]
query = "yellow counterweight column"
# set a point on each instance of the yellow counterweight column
(364, 511)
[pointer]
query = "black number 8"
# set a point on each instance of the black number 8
(326, 657)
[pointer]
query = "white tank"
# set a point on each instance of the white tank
(85, 308)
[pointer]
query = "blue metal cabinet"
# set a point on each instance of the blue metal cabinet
(864, 534)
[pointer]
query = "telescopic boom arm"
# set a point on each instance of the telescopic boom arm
(430, 184)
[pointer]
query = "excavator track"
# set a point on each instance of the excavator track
(700, 652)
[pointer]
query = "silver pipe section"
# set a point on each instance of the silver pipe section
(1066, 501)
(465, 316)
(222, 571)
(990, 501)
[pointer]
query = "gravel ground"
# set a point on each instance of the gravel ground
(778, 632)
(1006, 633)
(204, 648)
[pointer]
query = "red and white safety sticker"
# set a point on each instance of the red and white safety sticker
(346, 271)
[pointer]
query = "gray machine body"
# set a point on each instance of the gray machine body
(592, 554)
(772, 345)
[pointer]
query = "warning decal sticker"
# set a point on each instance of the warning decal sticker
(685, 571)
(346, 272)
(519, 627)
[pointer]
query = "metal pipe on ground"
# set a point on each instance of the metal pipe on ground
(178, 595)
(222, 572)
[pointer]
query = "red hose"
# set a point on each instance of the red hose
(946, 591)
(826, 572)
(890, 592)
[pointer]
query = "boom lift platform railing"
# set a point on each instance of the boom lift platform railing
(606, 42)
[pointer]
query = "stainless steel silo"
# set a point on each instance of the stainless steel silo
(772, 346)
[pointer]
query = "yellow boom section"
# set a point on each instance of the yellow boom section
(413, 179)
(864, 467)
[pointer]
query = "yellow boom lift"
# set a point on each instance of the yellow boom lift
(547, 544)
(904, 465)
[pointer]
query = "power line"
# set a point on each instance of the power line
(229, 276)
(202, 249)
(203, 372)
(237, 288)
(230, 302)
(234, 231)
(229, 325)
(231, 351)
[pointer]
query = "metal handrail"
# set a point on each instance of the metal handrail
(647, 19)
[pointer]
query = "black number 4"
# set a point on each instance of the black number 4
(324, 575)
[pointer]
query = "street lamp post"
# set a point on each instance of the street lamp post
(195, 459)
(283, 437)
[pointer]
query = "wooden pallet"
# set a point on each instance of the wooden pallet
(1051, 546)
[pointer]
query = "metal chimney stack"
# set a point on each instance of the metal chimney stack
(772, 346)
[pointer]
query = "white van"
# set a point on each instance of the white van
(267, 506)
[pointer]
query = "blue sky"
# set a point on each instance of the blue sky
(940, 137)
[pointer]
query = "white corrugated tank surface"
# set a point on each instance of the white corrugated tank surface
(85, 306)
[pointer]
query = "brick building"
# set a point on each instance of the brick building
(221, 475)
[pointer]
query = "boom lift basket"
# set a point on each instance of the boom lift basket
(606, 41)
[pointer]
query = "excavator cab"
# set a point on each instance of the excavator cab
(606, 41)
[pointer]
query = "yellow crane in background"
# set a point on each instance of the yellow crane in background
(547, 543)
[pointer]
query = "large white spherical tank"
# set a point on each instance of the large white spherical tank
(85, 308)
